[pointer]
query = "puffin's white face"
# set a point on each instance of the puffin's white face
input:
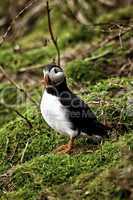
(53, 75)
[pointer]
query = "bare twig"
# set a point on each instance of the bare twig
(18, 113)
(23, 153)
(51, 33)
(17, 86)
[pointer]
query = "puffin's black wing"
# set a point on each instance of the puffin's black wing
(81, 116)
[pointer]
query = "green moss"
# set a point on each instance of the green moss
(81, 70)
(115, 93)
(8, 96)
(15, 60)
(77, 35)
(52, 170)
(39, 168)
(41, 139)
(116, 15)
(16, 134)
(57, 169)
(101, 63)
(39, 55)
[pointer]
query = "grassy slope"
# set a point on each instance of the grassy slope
(29, 167)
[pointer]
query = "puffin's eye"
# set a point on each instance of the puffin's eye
(55, 70)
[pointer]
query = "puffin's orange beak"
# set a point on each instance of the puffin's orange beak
(42, 81)
(45, 80)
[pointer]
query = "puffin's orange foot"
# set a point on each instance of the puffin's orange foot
(66, 148)
(60, 148)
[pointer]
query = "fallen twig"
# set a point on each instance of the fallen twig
(51, 33)
(23, 153)
(18, 113)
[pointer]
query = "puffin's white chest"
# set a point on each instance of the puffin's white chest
(54, 114)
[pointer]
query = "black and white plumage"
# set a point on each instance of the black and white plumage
(64, 111)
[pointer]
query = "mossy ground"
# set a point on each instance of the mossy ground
(28, 166)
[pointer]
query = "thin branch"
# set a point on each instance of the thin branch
(51, 33)
(17, 86)
(18, 113)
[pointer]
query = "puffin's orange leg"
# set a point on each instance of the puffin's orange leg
(66, 148)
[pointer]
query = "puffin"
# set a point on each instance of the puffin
(65, 112)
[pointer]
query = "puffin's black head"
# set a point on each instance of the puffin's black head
(53, 75)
